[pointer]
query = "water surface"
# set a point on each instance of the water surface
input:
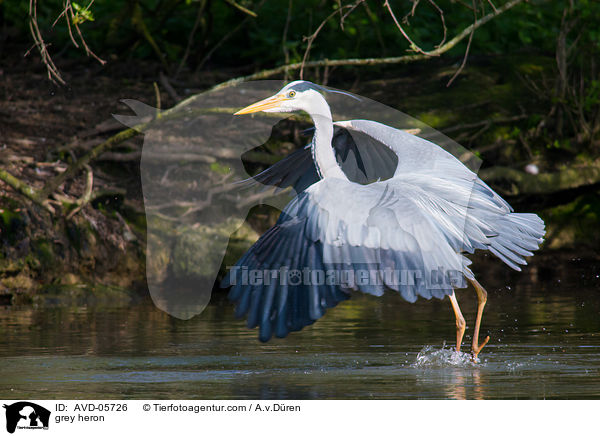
(544, 324)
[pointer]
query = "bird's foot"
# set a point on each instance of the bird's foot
(477, 348)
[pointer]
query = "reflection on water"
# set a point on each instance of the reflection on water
(545, 343)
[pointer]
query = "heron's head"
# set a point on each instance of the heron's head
(295, 96)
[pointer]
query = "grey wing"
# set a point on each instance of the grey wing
(388, 242)
(369, 151)
(488, 223)
(362, 158)
(279, 303)
(296, 170)
(394, 226)
(414, 153)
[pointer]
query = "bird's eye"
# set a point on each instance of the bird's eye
(291, 94)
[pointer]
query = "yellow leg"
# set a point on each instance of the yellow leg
(481, 300)
(460, 321)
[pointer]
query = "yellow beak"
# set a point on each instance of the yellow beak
(267, 103)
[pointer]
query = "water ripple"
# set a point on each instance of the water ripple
(431, 357)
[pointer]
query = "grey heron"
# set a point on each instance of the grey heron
(416, 212)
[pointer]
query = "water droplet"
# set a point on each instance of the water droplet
(445, 357)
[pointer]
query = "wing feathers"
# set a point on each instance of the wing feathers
(406, 233)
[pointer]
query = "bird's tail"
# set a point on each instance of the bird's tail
(518, 234)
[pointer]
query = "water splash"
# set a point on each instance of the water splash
(431, 357)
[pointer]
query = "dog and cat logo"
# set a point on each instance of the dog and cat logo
(26, 415)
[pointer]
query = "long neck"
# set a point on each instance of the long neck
(322, 150)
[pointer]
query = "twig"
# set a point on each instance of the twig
(157, 96)
(241, 8)
(193, 206)
(492, 5)
(415, 3)
(312, 37)
(68, 20)
(137, 19)
(348, 12)
(225, 38)
(464, 61)
(191, 38)
(68, 14)
(88, 51)
(466, 5)
(286, 52)
(441, 12)
(413, 46)
(157, 157)
(53, 73)
(258, 197)
(87, 195)
(369, 61)
(164, 80)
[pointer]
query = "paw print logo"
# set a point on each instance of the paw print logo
(294, 277)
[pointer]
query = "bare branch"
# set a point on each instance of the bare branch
(157, 96)
(492, 5)
(441, 12)
(68, 14)
(413, 46)
(348, 12)
(312, 37)
(24, 189)
(164, 80)
(286, 52)
(464, 61)
(191, 38)
(88, 51)
(241, 8)
(53, 73)
(87, 195)
(74, 168)
(226, 37)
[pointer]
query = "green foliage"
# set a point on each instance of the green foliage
(160, 30)
(368, 31)
(82, 14)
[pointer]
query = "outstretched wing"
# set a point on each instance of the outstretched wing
(489, 222)
(368, 151)
(297, 170)
(362, 158)
(267, 283)
(367, 238)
